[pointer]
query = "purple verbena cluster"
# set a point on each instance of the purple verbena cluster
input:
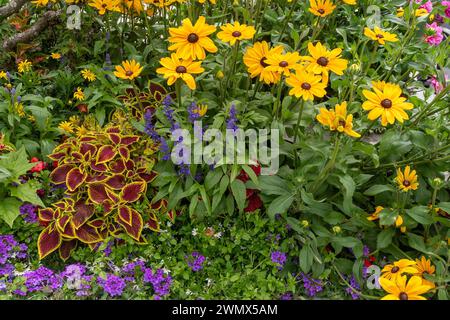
(42, 279)
(29, 212)
(278, 258)
(160, 281)
(311, 285)
(195, 261)
(76, 279)
(10, 250)
(113, 285)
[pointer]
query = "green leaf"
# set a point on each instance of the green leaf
(27, 193)
(273, 185)
(416, 242)
(251, 174)
(349, 187)
(387, 217)
(384, 238)
(16, 163)
(239, 192)
(212, 179)
(378, 188)
(280, 205)
(306, 258)
(9, 210)
(421, 214)
(445, 206)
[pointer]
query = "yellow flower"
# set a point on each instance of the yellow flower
(407, 180)
(322, 60)
(338, 119)
(56, 56)
(321, 8)
(174, 68)
(79, 94)
(81, 131)
(283, 63)
(306, 85)
(421, 12)
(387, 104)
(400, 290)
(19, 109)
(42, 3)
(191, 41)
(424, 266)
(160, 3)
(24, 66)
(352, 2)
(400, 12)
(255, 59)
(88, 75)
(203, 1)
(128, 70)
(132, 6)
(379, 35)
(66, 126)
(103, 5)
(375, 215)
(235, 32)
(200, 109)
(3, 75)
(395, 270)
(74, 120)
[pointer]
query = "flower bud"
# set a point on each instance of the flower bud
(219, 74)
(337, 229)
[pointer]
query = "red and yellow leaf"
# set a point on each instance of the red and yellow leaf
(82, 213)
(105, 154)
(48, 241)
(74, 179)
(59, 174)
(133, 191)
(135, 229)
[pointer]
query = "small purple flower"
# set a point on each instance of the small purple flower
(42, 278)
(232, 119)
(355, 285)
(195, 261)
(278, 258)
(29, 212)
(160, 281)
(311, 285)
(113, 285)
(286, 296)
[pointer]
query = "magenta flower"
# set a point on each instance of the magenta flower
(447, 10)
(436, 85)
(433, 34)
(427, 6)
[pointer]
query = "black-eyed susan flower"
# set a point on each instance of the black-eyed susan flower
(128, 70)
(104, 5)
(424, 266)
(190, 41)
(379, 35)
(407, 180)
(322, 60)
(79, 94)
(321, 8)
(401, 289)
(235, 32)
(24, 66)
(398, 268)
(338, 120)
(376, 214)
(255, 59)
(387, 104)
(55, 56)
(174, 68)
(306, 85)
(283, 63)
(88, 75)
(66, 126)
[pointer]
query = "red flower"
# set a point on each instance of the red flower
(368, 262)
(243, 176)
(40, 165)
(254, 201)
(83, 108)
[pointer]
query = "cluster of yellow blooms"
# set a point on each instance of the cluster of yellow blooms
(397, 285)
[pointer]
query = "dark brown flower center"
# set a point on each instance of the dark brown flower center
(380, 36)
(263, 62)
(406, 183)
(192, 38)
(342, 123)
(322, 61)
(386, 103)
(395, 269)
(181, 69)
(283, 64)
(104, 5)
(129, 73)
(306, 86)
(321, 11)
(403, 296)
(236, 34)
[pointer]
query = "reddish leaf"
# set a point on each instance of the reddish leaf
(88, 147)
(116, 182)
(153, 225)
(117, 166)
(124, 153)
(114, 137)
(74, 179)
(48, 241)
(46, 214)
(129, 165)
(57, 156)
(82, 213)
(148, 177)
(127, 140)
(107, 206)
(88, 234)
(62, 222)
(59, 174)
(66, 248)
(96, 178)
(100, 167)
(113, 130)
(112, 195)
(124, 214)
(77, 155)
(133, 191)
(69, 232)
(105, 154)
(97, 193)
(97, 223)
(135, 229)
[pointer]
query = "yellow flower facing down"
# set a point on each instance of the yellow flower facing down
(395, 270)
(306, 85)
(190, 41)
(376, 214)
(3, 75)
(79, 94)
(255, 59)
(407, 180)
(88, 75)
(400, 289)
(235, 32)
(56, 56)
(400, 12)
(322, 60)
(66, 126)
(338, 120)
(424, 266)
(352, 2)
(105, 5)
(24, 66)
(174, 68)
(132, 6)
(321, 8)
(283, 63)
(129, 70)
(387, 104)
(379, 35)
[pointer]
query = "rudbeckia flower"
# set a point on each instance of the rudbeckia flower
(174, 68)
(403, 290)
(190, 41)
(407, 180)
(321, 8)
(283, 63)
(395, 270)
(424, 266)
(387, 104)
(380, 36)
(88, 75)
(338, 120)
(322, 60)
(104, 5)
(128, 70)
(400, 12)
(306, 85)
(255, 59)
(235, 32)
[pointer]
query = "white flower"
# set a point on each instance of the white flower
(218, 235)
(189, 292)
(194, 232)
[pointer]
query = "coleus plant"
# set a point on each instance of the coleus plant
(104, 173)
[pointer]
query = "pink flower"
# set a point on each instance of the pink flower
(427, 6)
(433, 34)
(436, 85)
(447, 10)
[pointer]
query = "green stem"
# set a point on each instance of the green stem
(286, 20)
(437, 98)
(300, 112)
(328, 167)
(178, 92)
